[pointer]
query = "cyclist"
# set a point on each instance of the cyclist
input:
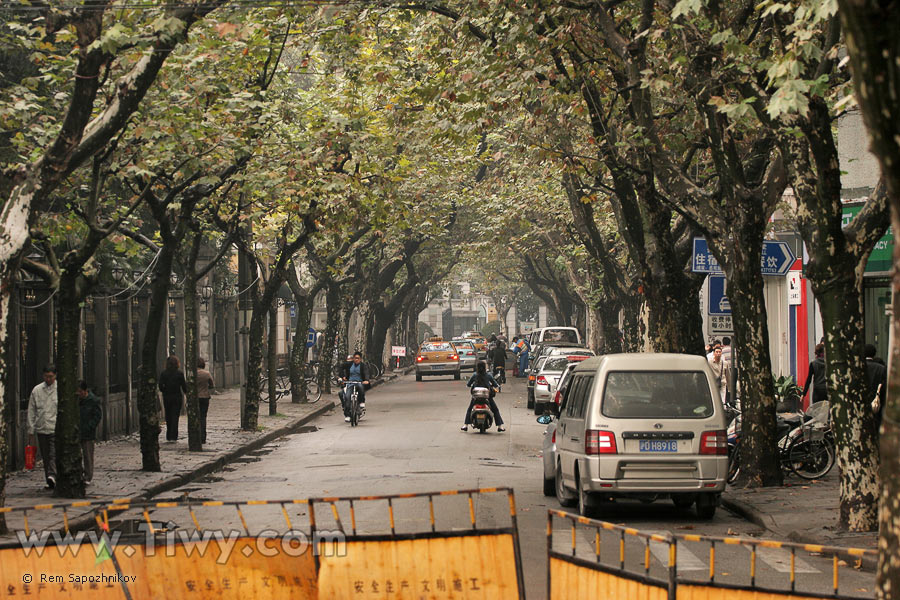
(355, 372)
(481, 378)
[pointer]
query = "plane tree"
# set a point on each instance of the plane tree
(95, 68)
(874, 49)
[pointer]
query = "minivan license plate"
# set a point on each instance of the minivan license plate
(658, 446)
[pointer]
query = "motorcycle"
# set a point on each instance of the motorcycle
(482, 417)
(499, 374)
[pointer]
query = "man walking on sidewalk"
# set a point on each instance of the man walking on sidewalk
(91, 414)
(41, 421)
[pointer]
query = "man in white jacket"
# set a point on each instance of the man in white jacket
(42, 422)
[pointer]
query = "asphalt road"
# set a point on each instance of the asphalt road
(410, 441)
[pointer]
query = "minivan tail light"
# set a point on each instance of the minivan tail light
(714, 442)
(557, 398)
(541, 380)
(597, 441)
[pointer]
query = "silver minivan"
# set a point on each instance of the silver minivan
(644, 426)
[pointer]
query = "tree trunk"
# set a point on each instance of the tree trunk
(8, 401)
(299, 350)
(382, 319)
(191, 356)
(853, 423)
(272, 357)
(250, 418)
(760, 463)
(594, 336)
(69, 465)
(148, 401)
(332, 325)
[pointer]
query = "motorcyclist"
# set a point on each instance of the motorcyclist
(481, 378)
(355, 372)
(498, 357)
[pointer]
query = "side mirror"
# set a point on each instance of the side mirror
(544, 419)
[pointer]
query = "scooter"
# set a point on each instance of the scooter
(499, 374)
(482, 417)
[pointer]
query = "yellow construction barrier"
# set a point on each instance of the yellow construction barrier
(473, 563)
(581, 564)
(212, 551)
(194, 563)
(575, 574)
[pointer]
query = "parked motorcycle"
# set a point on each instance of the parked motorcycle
(482, 417)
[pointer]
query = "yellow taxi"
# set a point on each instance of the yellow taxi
(479, 341)
(437, 357)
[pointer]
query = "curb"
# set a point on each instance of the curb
(176, 481)
(757, 517)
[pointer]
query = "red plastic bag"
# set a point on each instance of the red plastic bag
(30, 452)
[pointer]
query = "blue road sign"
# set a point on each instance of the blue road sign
(777, 258)
(718, 301)
(311, 338)
(703, 260)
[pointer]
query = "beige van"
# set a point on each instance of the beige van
(645, 426)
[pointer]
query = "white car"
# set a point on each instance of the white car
(468, 356)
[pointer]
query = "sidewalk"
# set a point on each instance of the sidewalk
(117, 462)
(800, 511)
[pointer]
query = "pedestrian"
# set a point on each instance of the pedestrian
(522, 348)
(204, 388)
(719, 368)
(91, 415)
(876, 384)
(816, 376)
(173, 387)
(709, 354)
(726, 349)
(41, 422)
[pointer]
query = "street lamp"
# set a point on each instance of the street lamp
(206, 293)
(118, 274)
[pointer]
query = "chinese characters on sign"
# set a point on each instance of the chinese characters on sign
(776, 258)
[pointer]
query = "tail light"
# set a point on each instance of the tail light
(553, 437)
(531, 378)
(541, 380)
(597, 441)
(557, 398)
(714, 442)
(454, 357)
(420, 358)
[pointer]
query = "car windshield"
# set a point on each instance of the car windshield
(437, 347)
(555, 363)
(657, 395)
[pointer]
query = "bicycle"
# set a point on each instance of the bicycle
(282, 386)
(351, 395)
(806, 446)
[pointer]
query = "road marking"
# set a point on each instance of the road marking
(686, 560)
(780, 560)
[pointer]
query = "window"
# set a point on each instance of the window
(579, 393)
(657, 394)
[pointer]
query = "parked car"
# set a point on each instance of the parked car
(554, 334)
(437, 357)
(545, 351)
(467, 353)
(644, 426)
(530, 378)
(548, 377)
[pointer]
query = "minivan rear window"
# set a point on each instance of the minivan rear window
(560, 335)
(657, 395)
